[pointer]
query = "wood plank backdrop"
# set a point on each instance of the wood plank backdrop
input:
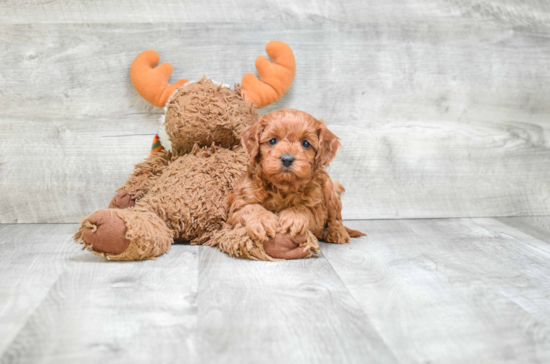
(442, 106)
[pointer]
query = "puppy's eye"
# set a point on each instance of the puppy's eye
(305, 144)
(273, 141)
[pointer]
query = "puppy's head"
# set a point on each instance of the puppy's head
(289, 145)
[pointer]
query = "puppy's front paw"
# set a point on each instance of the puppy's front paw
(293, 223)
(336, 234)
(263, 226)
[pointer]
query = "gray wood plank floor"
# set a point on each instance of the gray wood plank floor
(413, 291)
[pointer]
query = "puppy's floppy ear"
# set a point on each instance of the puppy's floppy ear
(250, 139)
(328, 145)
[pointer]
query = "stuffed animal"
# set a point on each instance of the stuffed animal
(179, 193)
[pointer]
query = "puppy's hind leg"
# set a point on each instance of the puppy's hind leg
(335, 231)
(339, 234)
(336, 234)
(354, 233)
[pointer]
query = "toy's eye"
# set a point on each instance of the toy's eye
(305, 144)
(273, 141)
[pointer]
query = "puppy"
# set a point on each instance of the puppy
(286, 189)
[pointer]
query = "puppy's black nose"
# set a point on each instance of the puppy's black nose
(287, 159)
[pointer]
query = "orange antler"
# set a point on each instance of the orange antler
(276, 77)
(152, 82)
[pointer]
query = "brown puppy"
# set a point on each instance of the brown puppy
(286, 189)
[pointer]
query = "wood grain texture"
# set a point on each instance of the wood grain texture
(70, 306)
(349, 74)
(103, 11)
(287, 312)
(537, 226)
(451, 291)
(32, 257)
(437, 119)
(63, 305)
(413, 291)
(73, 170)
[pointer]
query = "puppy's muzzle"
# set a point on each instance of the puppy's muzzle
(287, 160)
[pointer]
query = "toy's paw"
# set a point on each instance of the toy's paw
(336, 234)
(105, 232)
(286, 246)
(263, 227)
(122, 200)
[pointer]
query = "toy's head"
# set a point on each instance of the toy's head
(207, 113)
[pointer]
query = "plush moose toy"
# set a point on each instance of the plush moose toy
(179, 193)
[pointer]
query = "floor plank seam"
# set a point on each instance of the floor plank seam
(30, 315)
(493, 289)
(514, 238)
(359, 306)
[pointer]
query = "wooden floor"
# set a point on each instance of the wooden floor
(413, 291)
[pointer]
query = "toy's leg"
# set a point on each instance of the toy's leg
(122, 200)
(237, 243)
(286, 246)
(138, 183)
(128, 234)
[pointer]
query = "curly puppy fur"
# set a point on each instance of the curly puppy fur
(286, 188)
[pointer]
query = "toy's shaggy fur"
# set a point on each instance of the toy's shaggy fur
(204, 113)
(190, 197)
(180, 194)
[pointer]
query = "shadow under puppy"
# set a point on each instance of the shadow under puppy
(286, 198)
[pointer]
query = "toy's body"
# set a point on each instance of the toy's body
(181, 191)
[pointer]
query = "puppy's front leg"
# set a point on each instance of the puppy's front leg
(296, 220)
(259, 222)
